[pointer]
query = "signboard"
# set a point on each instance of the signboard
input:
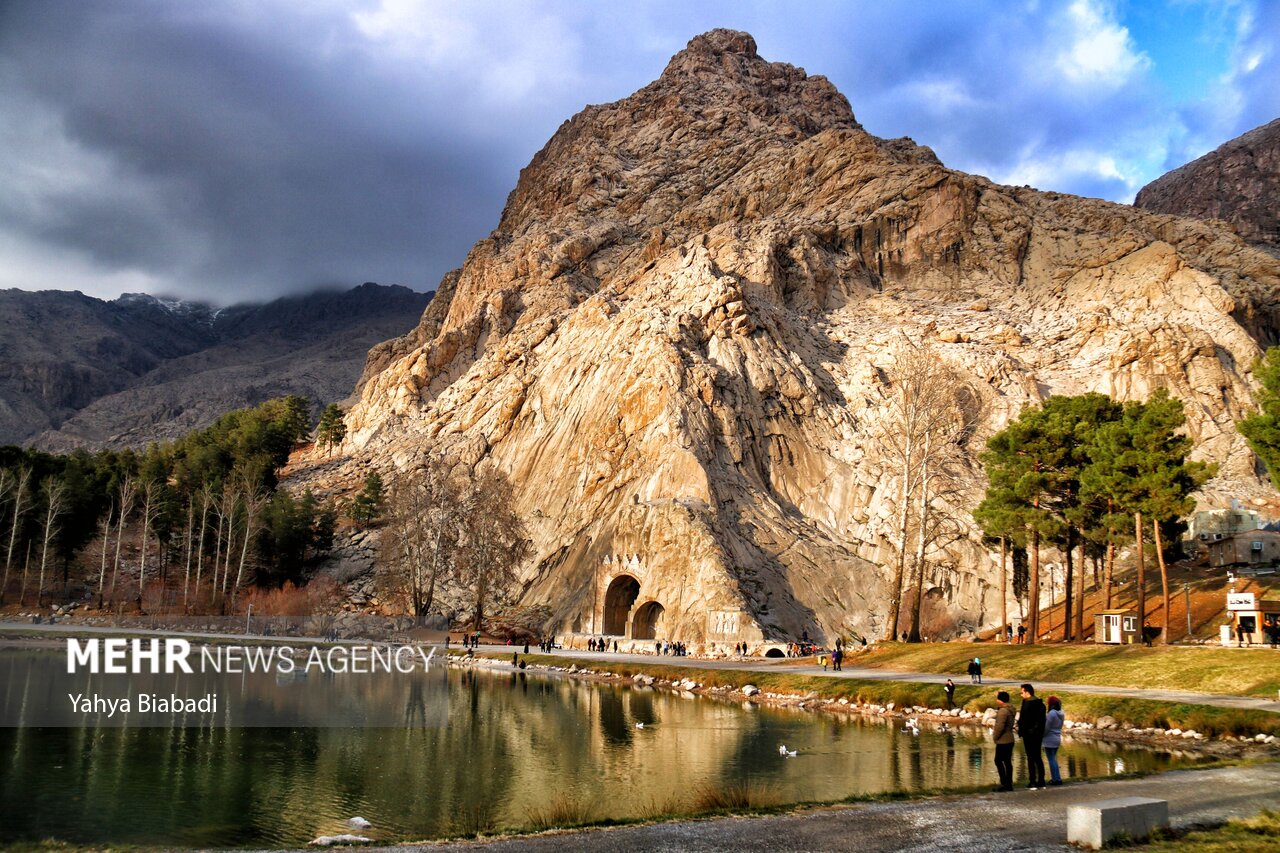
(1242, 601)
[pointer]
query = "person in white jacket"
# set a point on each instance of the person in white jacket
(1053, 738)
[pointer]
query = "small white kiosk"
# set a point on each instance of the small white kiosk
(1250, 617)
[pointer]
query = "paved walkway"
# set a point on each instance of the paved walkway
(987, 823)
(867, 674)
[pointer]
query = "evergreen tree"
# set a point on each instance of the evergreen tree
(367, 506)
(1140, 464)
(1262, 428)
(331, 429)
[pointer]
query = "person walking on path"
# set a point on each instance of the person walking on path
(1002, 733)
(973, 671)
(1031, 723)
(951, 694)
(836, 657)
(977, 668)
(1053, 738)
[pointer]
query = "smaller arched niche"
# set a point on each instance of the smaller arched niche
(647, 622)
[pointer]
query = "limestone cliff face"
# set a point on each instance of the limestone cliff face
(1238, 182)
(673, 344)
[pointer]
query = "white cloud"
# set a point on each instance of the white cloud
(1100, 51)
(513, 49)
(1054, 170)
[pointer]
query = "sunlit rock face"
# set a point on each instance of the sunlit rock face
(674, 343)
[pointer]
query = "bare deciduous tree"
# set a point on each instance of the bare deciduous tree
(420, 536)
(128, 494)
(151, 497)
(206, 501)
(928, 414)
(21, 484)
(254, 499)
(55, 493)
(493, 543)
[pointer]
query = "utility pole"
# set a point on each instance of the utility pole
(1186, 595)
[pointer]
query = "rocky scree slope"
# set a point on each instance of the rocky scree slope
(674, 344)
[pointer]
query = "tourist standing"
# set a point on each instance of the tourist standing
(951, 694)
(973, 671)
(1053, 738)
(1031, 726)
(1002, 733)
(1022, 634)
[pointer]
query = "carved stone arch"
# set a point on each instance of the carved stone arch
(647, 623)
(619, 597)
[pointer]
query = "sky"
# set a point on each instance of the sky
(239, 150)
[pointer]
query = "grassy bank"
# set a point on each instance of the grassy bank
(1236, 836)
(1203, 669)
(1082, 707)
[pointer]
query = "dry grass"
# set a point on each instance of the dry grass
(1237, 836)
(561, 811)
(1236, 672)
(736, 796)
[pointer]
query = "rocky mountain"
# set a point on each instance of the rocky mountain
(675, 343)
(78, 371)
(1238, 182)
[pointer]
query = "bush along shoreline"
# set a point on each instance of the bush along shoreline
(1204, 729)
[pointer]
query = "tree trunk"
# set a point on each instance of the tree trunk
(923, 523)
(106, 540)
(217, 555)
(186, 580)
(23, 478)
(1067, 585)
(26, 567)
(900, 571)
(1141, 605)
(1164, 580)
(142, 564)
(1033, 592)
(1080, 600)
(1004, 586)
(204, 516)
(1108, 579)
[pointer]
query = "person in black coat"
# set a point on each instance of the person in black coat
(1031, 719)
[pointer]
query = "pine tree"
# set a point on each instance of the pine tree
(1262, 429)
(331, 429)
(1140, 464)
(366, 508)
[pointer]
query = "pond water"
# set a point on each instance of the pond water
(512, 743)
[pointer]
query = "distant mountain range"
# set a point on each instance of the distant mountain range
(76, 371)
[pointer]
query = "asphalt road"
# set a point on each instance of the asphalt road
(987, 823)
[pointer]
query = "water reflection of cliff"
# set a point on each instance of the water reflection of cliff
(512, 742)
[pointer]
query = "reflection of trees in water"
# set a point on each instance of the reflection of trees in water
(511, 742)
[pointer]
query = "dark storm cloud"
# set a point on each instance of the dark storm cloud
(246, 148)
(243, 160)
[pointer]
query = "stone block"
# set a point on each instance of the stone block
(1092, 825)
